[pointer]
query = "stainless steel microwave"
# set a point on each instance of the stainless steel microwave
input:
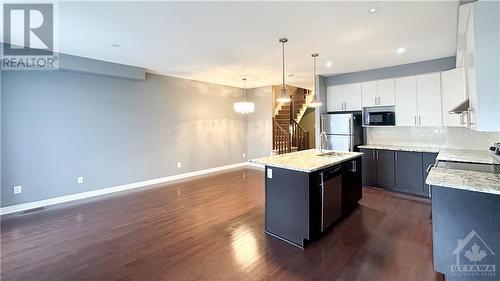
(379, 118)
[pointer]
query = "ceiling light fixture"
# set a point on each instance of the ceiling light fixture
(244, 107)
(401, 50)
(372, 10)
(114, 45)
(315, 101)
(283, 97)
(329, 64)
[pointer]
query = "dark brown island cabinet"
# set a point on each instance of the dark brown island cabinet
(302, 206)
(400, 171)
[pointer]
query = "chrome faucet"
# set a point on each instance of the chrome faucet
(323, 140)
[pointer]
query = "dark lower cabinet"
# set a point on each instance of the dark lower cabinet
(428, 159)
(385, 168)
(300, 206)
(401, 171)
(351, 183)
(465, 234)
(409, 171)
(369, 164)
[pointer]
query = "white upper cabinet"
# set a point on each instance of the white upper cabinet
(481, 60)
(418, 100)
(406, 101)
(352, 97)
(369, 93)
(335, 98)
(385, 90)
(453, 93)
(344, 97)
(378, 93)
(429, 99)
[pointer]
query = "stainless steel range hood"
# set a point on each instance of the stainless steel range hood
(463, 107)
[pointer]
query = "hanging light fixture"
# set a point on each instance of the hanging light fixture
(283, 97)
(315, 101)
(244, 107)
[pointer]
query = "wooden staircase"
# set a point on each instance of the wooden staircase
(288, 135)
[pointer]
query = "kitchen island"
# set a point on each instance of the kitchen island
(309, 191)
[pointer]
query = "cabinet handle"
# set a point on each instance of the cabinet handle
(373, 154)
(419, 120)
(377, 154)
(396, 154)
(353, 166)
(462, 122)
(415, 120)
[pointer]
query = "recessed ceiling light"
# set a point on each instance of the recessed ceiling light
(329, 64)
(401, 50)
(114, 45)
(372, 10)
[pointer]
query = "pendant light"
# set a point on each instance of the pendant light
(244, 107)
(283, 97)
(315, 101)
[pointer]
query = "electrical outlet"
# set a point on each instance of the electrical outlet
(269, 173)
(179, 164)
(244, 155)
(79, 180)
(17, 189)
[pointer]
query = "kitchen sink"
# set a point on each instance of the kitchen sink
(334, 154)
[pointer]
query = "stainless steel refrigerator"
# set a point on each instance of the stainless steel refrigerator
(344, 131)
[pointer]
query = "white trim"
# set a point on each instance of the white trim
(107, 190)
(256, 165)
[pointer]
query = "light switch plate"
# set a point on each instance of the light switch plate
(179, 164)
(79, 180)
(269, 173)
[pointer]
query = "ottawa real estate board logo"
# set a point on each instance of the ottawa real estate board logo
(473, 257)
(28, 31)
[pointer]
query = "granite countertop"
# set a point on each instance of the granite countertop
(401, 148)
(445, 154)
(463, 155)
(306, 160)
(465, 180)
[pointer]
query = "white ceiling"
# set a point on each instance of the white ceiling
(221, 42)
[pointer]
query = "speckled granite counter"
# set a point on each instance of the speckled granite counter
(400, 148)
(445, 154)
(463, 155)
(305, 160)
(465, 180)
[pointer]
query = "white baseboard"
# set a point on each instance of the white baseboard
(108, 190)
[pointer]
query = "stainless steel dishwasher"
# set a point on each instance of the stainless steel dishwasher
(331, 196)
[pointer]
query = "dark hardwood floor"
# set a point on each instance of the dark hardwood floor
(212, 228)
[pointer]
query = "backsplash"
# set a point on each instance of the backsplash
(441, 137)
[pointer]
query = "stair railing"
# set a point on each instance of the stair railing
(300, 136)
(281, 139)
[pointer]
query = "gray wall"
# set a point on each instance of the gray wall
(307, 122)
(436, 65)
(259, 123)
(321, 94)
(56, 126)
